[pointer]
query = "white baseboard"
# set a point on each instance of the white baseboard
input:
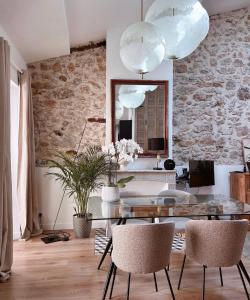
(16, 236)
(61, 226)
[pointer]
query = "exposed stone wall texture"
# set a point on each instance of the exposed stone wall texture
(66, 91)
(212, 93)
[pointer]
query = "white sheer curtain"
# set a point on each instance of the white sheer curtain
(26, 180)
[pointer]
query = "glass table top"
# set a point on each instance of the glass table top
(165, 206)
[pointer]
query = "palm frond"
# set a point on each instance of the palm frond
(80, 175)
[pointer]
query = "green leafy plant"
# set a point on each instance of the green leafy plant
(80, 175)
(121, 183)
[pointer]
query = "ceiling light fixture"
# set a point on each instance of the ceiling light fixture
(142, 48)
(184, 24)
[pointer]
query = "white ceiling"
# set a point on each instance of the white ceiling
(38, 28)
(47, 28)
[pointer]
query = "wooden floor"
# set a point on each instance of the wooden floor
(67, 271)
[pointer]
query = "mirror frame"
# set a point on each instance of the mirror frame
(115, 82)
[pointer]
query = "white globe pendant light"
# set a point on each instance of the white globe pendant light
(131, 100)
(142, 48)
(148, 88)
(119, 109)
(125, 89)
(183, 24)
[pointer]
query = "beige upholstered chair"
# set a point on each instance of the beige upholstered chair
(140, 249)
(107, 212)
(180, 222)
(216, 244)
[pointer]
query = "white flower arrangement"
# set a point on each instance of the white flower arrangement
(118, 153)
(123, 150)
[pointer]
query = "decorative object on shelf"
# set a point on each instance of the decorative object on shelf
(169, 164)
(183, 25)
(142, 48)
(123, 151)
(156, 144)
(80, 175)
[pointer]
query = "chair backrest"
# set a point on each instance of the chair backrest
(143, 248)
(178, 194)
(216, 243)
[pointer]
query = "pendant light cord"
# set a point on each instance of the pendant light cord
(141, 10)
(142, 21)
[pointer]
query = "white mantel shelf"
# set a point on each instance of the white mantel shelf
(147, 171)
(166, 176)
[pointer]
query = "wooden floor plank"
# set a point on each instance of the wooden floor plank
(68, 271)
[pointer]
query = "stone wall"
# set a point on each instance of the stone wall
(66, 91)
(212, 93)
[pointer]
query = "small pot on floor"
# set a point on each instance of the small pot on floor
(82, 226)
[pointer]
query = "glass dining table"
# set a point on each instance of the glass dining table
(156, 207)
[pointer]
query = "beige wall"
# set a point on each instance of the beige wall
(212, 93)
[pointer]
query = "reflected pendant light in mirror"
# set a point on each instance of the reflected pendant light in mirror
(119, 109)
(131, 100)
(182, 23)
(136, 88)
(142, 48)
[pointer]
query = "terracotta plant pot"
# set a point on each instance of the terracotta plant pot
(82, 227)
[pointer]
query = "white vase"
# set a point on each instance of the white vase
(110, 193)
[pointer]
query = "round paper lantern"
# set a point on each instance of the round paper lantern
(131, 100)
(150, 88)
(142, 48)
(119, 109)
(183, 24)
(125, 89)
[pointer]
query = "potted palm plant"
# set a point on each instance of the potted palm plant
(80, 175)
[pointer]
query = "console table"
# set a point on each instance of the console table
(148, 181)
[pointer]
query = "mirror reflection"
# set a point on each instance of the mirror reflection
(140, 115)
